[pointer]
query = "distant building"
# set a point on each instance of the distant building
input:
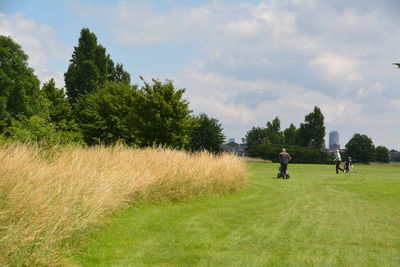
(231, 140)
(334, 140)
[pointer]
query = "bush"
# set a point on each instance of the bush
(38, 130)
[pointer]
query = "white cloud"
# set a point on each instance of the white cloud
(301, 53)
(337, 67)
(39, 43)
(216, 94)
(395, 104)
(376, 89)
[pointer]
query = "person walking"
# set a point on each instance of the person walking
(337, 160)
(284, 159)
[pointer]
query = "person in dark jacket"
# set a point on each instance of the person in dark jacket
(284, 159)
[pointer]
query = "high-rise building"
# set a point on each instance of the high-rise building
(334, 140)
(231, 140)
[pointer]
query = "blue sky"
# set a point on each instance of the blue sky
(243, 62)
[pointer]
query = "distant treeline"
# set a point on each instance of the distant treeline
(298, 154)
(306, 144)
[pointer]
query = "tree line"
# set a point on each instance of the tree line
(98, 105)
(306, 144)
(303, 143)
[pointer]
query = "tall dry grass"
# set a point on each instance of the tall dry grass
(47, 202)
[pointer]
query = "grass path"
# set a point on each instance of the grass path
(317, 218)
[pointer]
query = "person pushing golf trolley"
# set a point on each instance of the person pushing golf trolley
(284, 159)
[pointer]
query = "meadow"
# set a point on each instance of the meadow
(317, 218)
(51, 199)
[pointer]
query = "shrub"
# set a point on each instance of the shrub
(38, 130)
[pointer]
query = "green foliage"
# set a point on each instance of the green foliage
(360, 148)
(118, 74)
(206, 134)
(107, 115)
(290, 135)
(394, 156)
(310, 134)
(253, 139)
(19, 87)
(60, 109)
(38, 130)
(382, 154)
(312, 131)
(298, 154)
(273, 131)
(90, 68)
(162, 116)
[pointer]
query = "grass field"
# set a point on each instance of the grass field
(317, 218)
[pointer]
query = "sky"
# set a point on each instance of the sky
(242, 62)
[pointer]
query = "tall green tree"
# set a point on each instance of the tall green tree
(206, 134)
(60, 109)
(273, 131)
(90, 67)
(20, 93)
(312, 132)
(382, 154)
(254, 139)
(361, 148)
(107, 115)
(162, 115)
(290, 134)
(255, 136)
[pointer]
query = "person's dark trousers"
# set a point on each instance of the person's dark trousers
(338, 167)
(284, 169)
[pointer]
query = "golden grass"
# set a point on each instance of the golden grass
(46, 203)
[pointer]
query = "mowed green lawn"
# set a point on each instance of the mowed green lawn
(317, 218)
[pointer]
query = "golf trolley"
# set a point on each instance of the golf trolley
(280, 173)
(348, 166)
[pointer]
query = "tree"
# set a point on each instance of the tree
(382, 154)
(360, 148)
(206, 134)
(162, 115)
(273, 131)
(290, 134)
(90, 67)
(118, 74)
(107, 115)
(312, 131)
(19, 87)
(254, 138)
(60, 109)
